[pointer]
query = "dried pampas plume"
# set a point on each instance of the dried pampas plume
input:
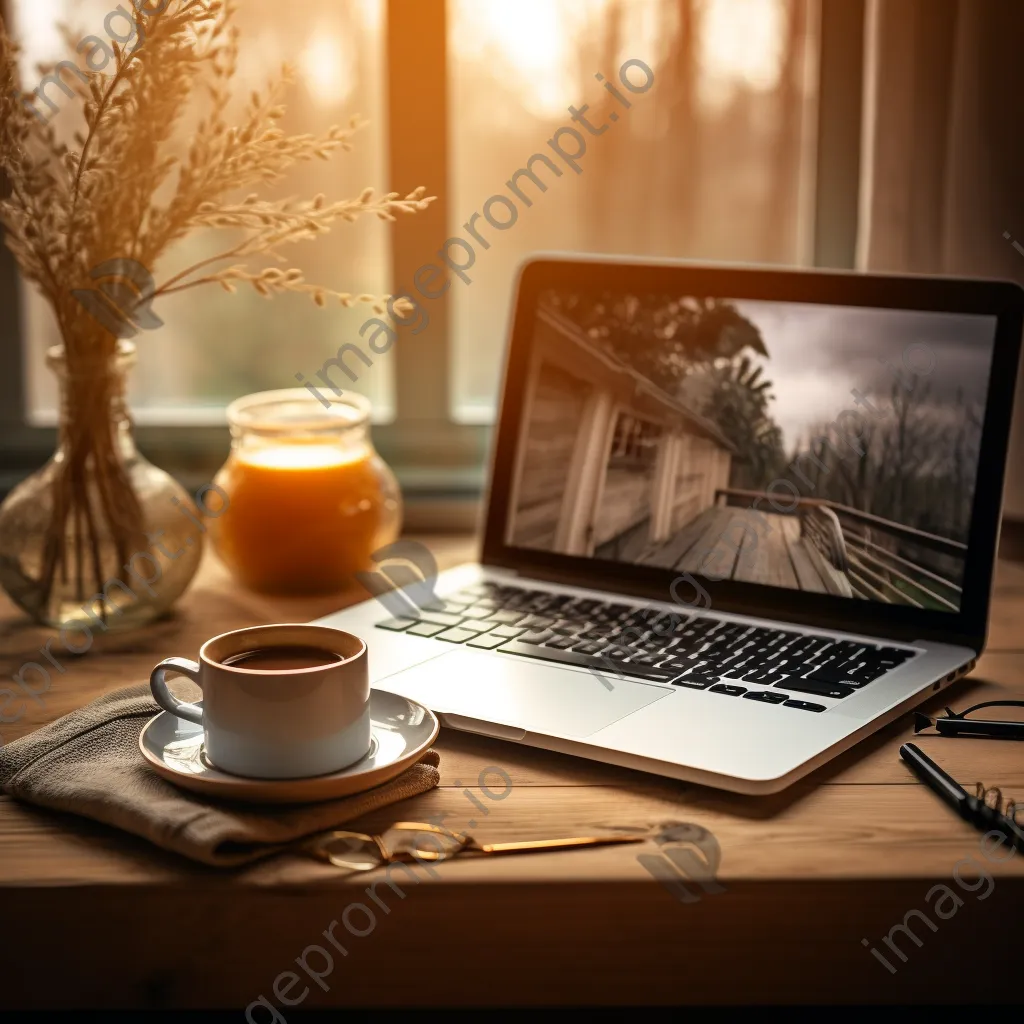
(125, 192)
(72, 209)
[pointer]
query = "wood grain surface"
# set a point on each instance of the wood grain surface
(94, 918)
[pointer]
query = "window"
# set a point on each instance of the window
(718, 159)
(712, 162)
(215, 347)
(635, 442)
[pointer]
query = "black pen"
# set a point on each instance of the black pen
(970, 808)
(936, 779)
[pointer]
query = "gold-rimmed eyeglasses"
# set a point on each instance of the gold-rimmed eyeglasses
(360, 851)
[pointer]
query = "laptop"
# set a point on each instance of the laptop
(737, 519)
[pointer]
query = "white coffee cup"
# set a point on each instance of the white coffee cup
(278, 723)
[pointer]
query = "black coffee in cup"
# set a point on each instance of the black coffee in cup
(281, 659)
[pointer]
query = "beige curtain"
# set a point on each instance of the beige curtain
(943, 150)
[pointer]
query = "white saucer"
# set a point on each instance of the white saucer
(402, 731)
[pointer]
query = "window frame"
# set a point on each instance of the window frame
(441, 461)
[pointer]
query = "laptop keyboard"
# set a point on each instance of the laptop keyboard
(772, 666)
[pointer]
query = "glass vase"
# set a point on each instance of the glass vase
(308, 497)
(98, 539)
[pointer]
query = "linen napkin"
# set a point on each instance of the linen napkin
(88, 763)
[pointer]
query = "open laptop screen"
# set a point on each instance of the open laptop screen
(821, 448)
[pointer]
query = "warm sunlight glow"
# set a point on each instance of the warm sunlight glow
(530, 40)
(300, 456)
(534, 46)
(35, 25)
(741, 45)
(529, 33)
(327, 67)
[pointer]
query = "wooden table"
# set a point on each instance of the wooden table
(95, 918)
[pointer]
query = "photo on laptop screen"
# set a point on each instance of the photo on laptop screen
(821, 448)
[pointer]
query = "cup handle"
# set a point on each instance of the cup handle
(163, 695)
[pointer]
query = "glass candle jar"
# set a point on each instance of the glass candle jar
(309, 499)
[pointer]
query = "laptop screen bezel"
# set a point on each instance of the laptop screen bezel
(1000, 299)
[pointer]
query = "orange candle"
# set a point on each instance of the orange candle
(309, 498)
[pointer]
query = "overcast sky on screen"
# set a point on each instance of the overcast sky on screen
(818, 354)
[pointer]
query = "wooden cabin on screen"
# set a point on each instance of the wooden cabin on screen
(609, 463)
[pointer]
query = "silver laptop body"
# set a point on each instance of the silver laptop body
(737, 519)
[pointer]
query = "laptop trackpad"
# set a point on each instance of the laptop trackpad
(521, 693)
